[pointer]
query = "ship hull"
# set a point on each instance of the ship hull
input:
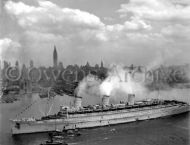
(89, 120)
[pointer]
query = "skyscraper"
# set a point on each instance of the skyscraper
(102, 65)
(31, 63)
(55, 57)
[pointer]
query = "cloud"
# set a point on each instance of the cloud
(8, 47)
(48, 17)
(156, 9)
(168, 23)
(177, 31)
(44, 37)
(137, 24)
(80, 35)
(109, 19)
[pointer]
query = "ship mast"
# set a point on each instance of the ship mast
(49, 98)
(158, 93)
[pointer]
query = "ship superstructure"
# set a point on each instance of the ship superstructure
(100, 115)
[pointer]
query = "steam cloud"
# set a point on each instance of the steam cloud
(119, 79)
(89, 86)
(117, 85)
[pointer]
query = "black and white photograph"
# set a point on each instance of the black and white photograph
(94, 72)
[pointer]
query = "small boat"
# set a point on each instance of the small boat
(65, 133)
(51, 142)
(58, 137)
(72, 133)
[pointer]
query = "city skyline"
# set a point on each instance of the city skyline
(55, 62)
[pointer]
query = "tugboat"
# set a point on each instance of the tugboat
(65, 133)
(52, 142)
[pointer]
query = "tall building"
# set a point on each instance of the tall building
(60, 65)
(55, 59)
(87, 64)
(31, 63)
(102, 65)
(17, 64)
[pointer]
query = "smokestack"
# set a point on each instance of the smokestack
(131, 99)
(105, 100)
(78, 102)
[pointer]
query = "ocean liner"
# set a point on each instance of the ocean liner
(99, 115)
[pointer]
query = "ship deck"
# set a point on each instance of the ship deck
(98, 109)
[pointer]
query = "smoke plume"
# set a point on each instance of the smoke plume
(89, 86)
(117, 85)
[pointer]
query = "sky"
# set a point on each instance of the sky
(140, 32)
